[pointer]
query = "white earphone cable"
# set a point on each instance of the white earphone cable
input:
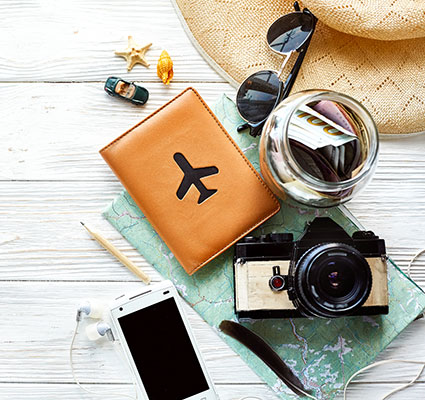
(387, 362)
(257, 398)
(397, 389)
(409, 266)
(248, 398)
(78, 382)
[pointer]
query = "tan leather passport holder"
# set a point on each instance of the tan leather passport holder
(191, 180)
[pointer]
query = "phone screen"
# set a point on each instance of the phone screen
(163, 353)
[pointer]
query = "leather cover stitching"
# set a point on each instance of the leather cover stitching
(196, 267)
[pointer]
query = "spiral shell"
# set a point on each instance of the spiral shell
(164, 68)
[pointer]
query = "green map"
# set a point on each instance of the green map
(323, 353)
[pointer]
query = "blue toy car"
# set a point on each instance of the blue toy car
(129, 91)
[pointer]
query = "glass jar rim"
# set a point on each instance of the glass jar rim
(298, 171)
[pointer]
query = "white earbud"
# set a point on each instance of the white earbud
(98, 330)
(92, 308)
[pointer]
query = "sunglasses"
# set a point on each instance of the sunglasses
(261, 92)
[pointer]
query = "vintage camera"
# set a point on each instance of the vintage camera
(326, 273)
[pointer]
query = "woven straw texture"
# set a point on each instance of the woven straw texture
(373, 19)
(388, 77)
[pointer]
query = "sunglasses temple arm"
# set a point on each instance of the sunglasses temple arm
(254, 130)
(257, 129)
(242, 127)
(289, 83)
(285, 61)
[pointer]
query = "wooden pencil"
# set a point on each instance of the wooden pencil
(116, 253)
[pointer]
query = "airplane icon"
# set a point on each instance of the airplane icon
(193, 176)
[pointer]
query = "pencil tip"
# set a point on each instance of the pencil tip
(82, 223)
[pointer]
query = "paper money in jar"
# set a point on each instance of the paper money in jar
(319, 147)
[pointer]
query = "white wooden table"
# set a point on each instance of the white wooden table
(55, 116)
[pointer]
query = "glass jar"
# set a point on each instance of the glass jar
(282, 165)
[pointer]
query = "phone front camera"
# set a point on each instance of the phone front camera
(121, 309)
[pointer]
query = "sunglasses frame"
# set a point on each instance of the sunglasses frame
(285, 86)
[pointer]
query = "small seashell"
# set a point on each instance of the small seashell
(164, 68)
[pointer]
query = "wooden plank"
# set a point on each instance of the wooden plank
(226, 392)
(37, 330)
(76, 41)
(38, 321)
(13, 391)
(41, 237)
(54, 131)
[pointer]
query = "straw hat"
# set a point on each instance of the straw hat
(373, 51)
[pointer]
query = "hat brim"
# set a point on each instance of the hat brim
(386, 76)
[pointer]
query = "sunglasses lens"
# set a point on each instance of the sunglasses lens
(257, 96)
(289, 32)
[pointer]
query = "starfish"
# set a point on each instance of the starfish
(134, 54)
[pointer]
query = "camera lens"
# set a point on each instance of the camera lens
(336, 278)
(332, 280)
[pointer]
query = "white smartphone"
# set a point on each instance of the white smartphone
(159, 345)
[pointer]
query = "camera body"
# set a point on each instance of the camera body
(326, 273)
